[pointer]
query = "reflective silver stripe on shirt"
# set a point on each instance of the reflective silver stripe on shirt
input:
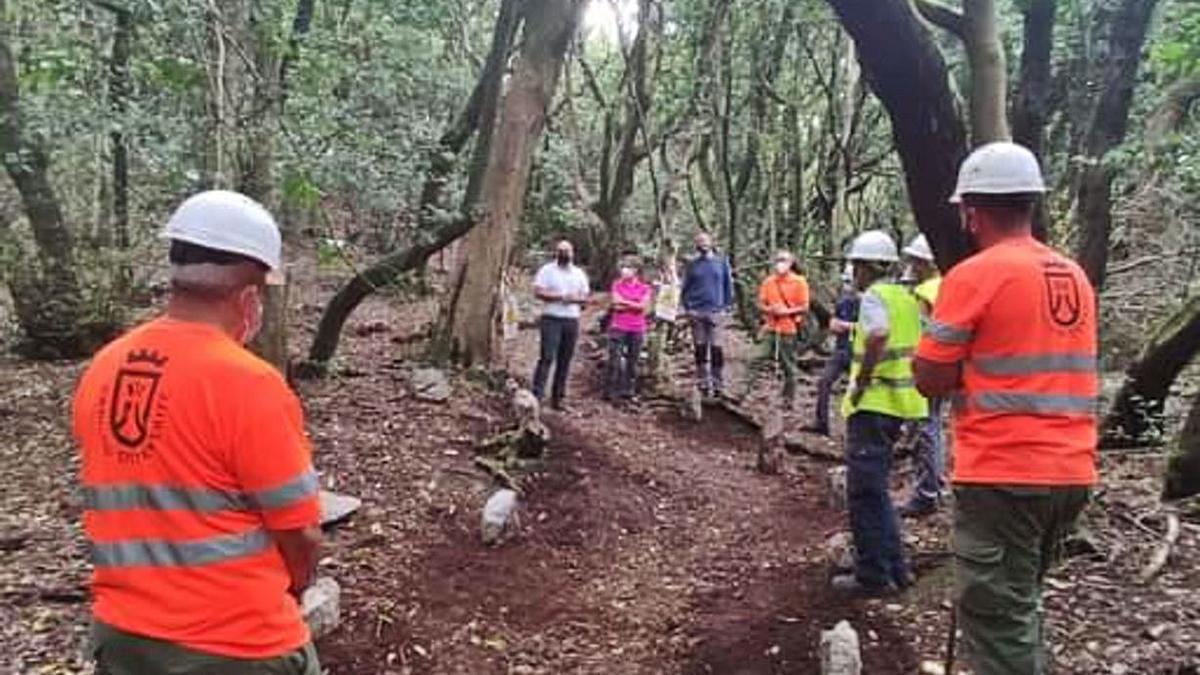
(1034, 364)
(124, 497)
(161, 498)
(1032, 404)
(893, 383)
(947, 334)
(299, 489)
(890, 355)
(160, 553)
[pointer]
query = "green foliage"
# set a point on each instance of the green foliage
(1176, 53)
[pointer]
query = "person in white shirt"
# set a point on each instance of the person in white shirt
(563, 288)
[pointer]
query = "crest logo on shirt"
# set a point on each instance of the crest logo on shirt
(1063, 299)
(131, 406)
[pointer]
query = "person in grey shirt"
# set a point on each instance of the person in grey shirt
(563, 287)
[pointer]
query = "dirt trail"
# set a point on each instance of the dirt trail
(648, 545)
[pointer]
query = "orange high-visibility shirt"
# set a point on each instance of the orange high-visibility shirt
(790, 290)
(1021, 319)
(193, 451)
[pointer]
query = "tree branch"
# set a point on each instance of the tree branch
(943, 17)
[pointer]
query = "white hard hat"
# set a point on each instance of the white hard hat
(1001, 168)
(227, 221)
(919, 248)
(874, 246)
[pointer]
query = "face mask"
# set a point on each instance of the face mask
(627, 272)
(252, 317)
(704, 250)
(563, 258)
(783, 267)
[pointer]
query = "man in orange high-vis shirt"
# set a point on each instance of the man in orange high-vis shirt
(1013, 341)
(200, 500)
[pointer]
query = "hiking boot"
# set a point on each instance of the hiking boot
(848, 583)
(560, 406)
(917, 508)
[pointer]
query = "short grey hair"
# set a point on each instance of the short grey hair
(211, 280)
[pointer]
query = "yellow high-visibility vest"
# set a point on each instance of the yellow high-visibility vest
(891, 390)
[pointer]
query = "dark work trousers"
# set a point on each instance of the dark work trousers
(870, 438)
(558, 347)
(835, 367)
(708, 338)
(1005, 540)
(930, 458)
(120, 653)
(624, 348)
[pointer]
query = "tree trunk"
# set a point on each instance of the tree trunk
(46, 292)
(1031, 105)
(989, 75)
(259, 110)
(549, 27)
(1106, 130)
(907, 72)
(272, 341)
(118, 92)
(1183, 468)
(1137, 413)
(301, 24)
(479, 113)
(1169, 116)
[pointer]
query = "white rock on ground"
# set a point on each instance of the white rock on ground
(431, 385)
(321, 606)
(839, 551)
(839, 651)
(497, 512)
(835, 483)
(337, 507)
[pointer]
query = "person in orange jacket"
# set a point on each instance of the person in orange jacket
(200, 499)
(783, 299)
(1013, 340)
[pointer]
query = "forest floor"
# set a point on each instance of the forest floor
(646, 544)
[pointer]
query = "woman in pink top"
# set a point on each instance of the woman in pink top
(626, 329)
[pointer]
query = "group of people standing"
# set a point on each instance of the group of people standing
(201, 502)
(1009, 337)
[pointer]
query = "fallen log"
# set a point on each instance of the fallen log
(496, 470)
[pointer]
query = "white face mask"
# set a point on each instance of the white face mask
(783, 267)
(627, 272)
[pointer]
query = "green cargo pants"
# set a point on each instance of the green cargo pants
(776, 348)
(121, 653)
(1005, 539)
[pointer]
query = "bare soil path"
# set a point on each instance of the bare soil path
(648, 545)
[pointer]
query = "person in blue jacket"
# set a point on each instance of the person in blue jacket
(707, 298)
(845, 314)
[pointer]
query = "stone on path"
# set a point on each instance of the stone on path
(835, 483)
(693, 407)
(497, 513)
(430, 385)
(337, 507)
(839, 651)
(839, 551)
(321, 606)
